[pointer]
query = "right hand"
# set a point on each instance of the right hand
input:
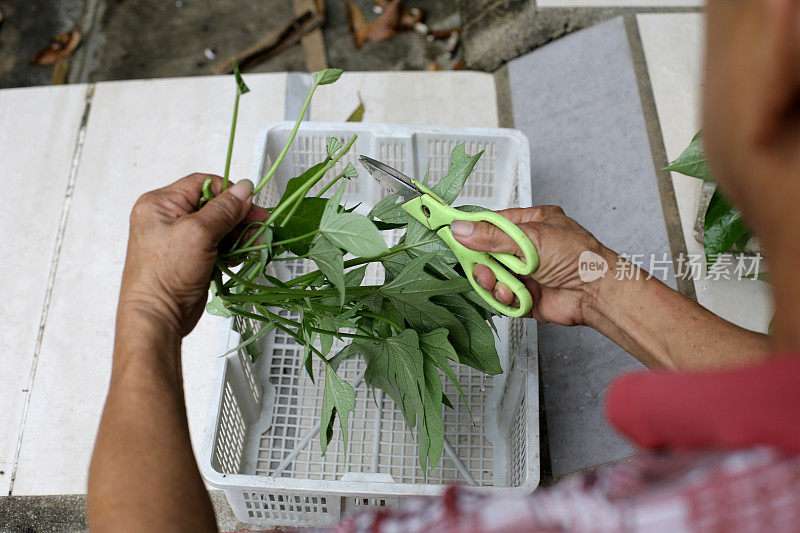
(558, 293)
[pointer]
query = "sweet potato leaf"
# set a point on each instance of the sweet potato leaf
(352, 232)
(461, 166)
(477, 349)
(329, 260)
(339, 398)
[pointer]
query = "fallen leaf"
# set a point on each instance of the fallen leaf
(358, 113)
(409, 17)
(385, 26)
(459, 65)
(445, 33)
(357, 23)
(62, 46)
(434, 66)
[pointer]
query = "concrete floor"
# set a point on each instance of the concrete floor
(168, 38)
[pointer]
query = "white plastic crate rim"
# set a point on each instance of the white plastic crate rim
(261, 442)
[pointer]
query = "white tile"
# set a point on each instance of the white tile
(38, 133)
(674, 48)
(424, 98)
(140, 135)
(620, 3)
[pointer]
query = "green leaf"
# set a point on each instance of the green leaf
(329, 75)
(390, 211)
(723, 228)
(350, 231)
(350, 171)
(396, 366)
(437, 350)
(413, 283)
(216, 306)
(461, 166)
(241, 86)
(299, 182)
(477, 349)
(446, 401)
(693, 161)
(326, 339)
(333, 145)
(354, 277)
(249, 341)
(304, 221)
(339, 397)
(329, 260)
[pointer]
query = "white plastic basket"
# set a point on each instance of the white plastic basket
(261, 443)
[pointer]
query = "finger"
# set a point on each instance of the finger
(503, 294)
(539, 213)
(484, 276)
(483, 237)
(221, 215)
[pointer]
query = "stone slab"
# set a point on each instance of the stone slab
(578, 102)
(38, 132)
(674, 46)
(140, 135)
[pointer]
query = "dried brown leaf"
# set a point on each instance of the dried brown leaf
(459, 65)
(357, 23)
(433, 66)
(409, 17)
(445, 33)
(62, 46)
(385, 26)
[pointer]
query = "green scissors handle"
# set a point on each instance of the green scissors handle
(435, 214)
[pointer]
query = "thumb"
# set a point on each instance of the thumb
(226, 210)
(486, 237)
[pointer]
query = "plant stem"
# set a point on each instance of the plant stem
(295, 239)
(278, 293)
(296, 198)
(329, 185)
(230, 141)
(360, 261)
(289, 141)
(299, 193)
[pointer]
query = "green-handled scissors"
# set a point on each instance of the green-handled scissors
(435, 214)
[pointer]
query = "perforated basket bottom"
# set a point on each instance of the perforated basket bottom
(379, 439)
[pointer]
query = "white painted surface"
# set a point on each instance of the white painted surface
(674, 48)
(424, 98)
(620, 3)
(140, 135)
(38, 132)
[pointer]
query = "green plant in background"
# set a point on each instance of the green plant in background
(408, 330)
(723, 228)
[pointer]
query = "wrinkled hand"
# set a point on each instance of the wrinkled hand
(172, 247)
(558, 293)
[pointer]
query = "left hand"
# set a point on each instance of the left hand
(172, 247)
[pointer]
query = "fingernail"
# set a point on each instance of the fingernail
(242, 190)
(461, 228)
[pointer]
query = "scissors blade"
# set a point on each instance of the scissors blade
(393, 181)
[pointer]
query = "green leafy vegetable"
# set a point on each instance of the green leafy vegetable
(409, 329)
(339, 398)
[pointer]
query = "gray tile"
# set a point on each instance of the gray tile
(578, 102)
